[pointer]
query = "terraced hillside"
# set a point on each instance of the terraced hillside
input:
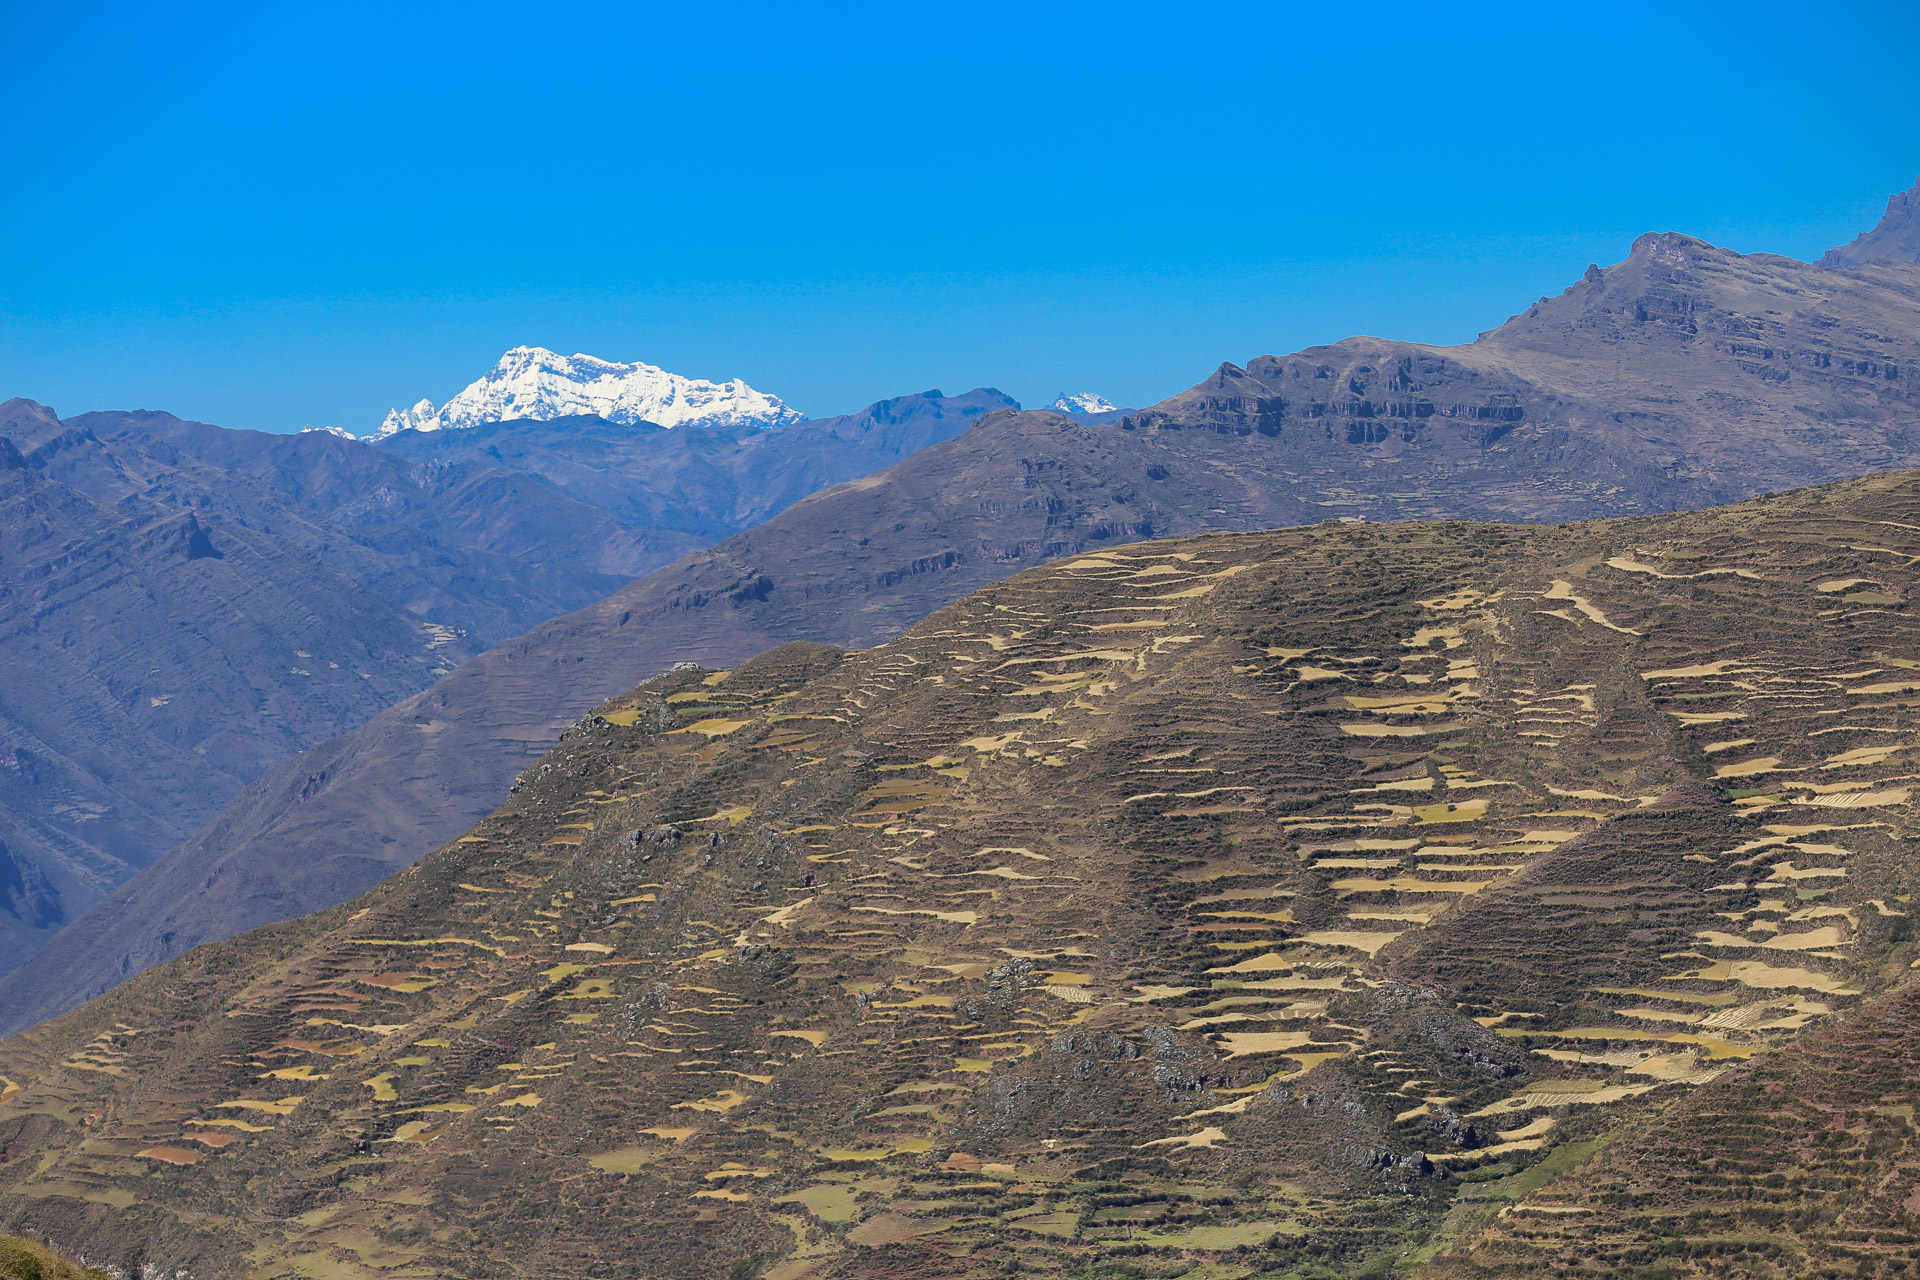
(1313, 902)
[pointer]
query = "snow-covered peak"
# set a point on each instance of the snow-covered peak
(1082, 403)
(414, 419)
(342, 432)
(533, 382)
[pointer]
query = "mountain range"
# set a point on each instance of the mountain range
(1577, 843)
(153, 657)
(191, 605)
(1459, 899)
(1682, 376)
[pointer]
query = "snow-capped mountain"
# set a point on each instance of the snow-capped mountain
(1082, 403)
(532, 382)
(418, 418)
(342, 432)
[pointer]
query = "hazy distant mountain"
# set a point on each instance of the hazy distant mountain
(708, 483)
(1684, 376)
(471, 545)
(155, 662)
(535, 384)
(1895, 239)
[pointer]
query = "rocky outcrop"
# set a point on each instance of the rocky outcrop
(1895, 239)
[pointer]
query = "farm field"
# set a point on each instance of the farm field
(1448, 898)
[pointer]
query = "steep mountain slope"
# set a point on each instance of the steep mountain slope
(155, 663)
(535, 384)
(1801, 1163)
(854, 565)
(1284, 903)
(279, 567)
(708, 483)
(1682, 376)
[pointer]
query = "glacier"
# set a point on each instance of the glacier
(538, 384)
(1083, 402)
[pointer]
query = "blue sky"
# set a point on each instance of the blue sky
(270, 215)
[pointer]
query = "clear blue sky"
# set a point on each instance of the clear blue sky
(270, 215)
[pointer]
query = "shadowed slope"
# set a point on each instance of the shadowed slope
(473, 547)
(154, 663)
(852, 566)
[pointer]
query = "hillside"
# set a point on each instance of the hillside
(191, 605)
(853, 566)
(155, 663)
(1682, 376)
(25, 1260)
(1287, 902)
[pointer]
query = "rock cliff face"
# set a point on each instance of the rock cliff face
(1895, 239)
(1339, 900)
(1686, 375)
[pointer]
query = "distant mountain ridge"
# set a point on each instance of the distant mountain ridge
(156, 661)
(709, 483)
(537, 385)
